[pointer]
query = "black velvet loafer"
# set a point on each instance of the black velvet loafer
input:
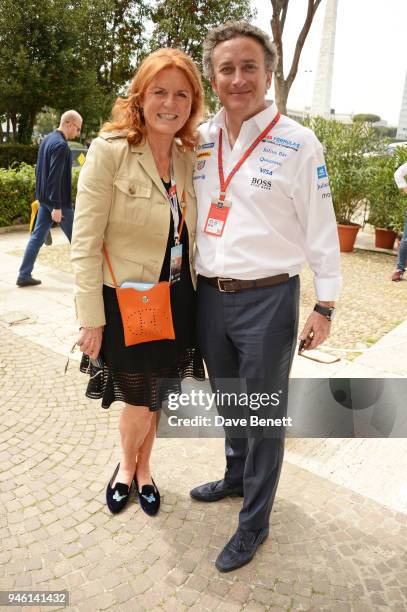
(214, 491)
(117, 496)
(148, 497)
(240, 549)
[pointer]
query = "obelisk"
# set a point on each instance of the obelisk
(402, 127)
(321, 101)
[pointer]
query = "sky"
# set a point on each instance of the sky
(370, 54)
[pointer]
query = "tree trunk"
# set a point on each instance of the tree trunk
(13, 119)
(281, 93)
(25, 127)
(283, 85)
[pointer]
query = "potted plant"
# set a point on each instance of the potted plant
(386, 204)
(345, 148)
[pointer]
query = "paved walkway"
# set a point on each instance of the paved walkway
(332, 545)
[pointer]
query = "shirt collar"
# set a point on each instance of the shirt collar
(261, 120)
(60, 132)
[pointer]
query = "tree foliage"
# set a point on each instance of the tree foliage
(34, 43)
(282, 84)
(367, 117)
(387, 204)
(345, 148)
(66, 54)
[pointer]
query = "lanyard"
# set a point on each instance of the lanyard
(173, 200)
(225, 184)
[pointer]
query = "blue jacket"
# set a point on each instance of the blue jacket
(53, 172)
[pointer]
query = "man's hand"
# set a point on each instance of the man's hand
(316, 330)
(56, 215)
(90, 341)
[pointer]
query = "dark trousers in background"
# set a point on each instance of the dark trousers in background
(248, 340)
(42, 226)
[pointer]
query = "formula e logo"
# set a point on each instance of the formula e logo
(260, 183)
(321, 172)
(266, 171)
(281, 142)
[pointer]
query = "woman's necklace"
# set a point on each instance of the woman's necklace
(163, 170)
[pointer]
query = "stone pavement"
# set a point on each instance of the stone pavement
(332, 546)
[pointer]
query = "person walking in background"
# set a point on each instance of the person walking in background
(53, 191)
(264, 208)
(399, 177)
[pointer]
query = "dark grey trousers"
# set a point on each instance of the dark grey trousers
(248, 340)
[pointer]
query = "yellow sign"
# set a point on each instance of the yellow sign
(34, 210)
(203, 154)
(81, 159)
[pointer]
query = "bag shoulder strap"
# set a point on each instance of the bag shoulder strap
(105, 253)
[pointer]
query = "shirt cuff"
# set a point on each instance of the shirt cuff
(328, 289)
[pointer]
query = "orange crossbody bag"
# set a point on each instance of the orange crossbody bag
(146, 315)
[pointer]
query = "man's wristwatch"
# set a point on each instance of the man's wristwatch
(326, 311)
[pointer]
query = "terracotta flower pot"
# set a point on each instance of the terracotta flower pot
(384, 238)
(347, 236)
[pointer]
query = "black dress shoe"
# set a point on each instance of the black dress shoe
(28, 282)
(117, 496)
(240, 549)
(213, 491)
(148, 497)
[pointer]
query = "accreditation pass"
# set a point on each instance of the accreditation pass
(217, 217)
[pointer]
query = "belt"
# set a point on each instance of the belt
(231, 285)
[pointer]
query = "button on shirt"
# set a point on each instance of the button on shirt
(281, 207)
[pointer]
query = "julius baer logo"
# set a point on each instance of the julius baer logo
(323, 185)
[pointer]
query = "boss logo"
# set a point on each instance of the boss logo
(261, 183)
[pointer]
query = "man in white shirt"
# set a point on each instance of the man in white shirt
(399, 177)
(264, 208)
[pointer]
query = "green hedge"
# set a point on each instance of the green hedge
(15, 154)
(17, 192)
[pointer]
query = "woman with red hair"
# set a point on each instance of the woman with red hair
(133, 192)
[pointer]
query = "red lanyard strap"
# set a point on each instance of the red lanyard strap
(225, 184)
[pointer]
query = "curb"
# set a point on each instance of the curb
(14, 228)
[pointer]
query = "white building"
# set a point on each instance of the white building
(402, 127)
(321, 102)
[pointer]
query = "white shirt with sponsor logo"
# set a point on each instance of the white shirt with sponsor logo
(399, 176)
(281, 214)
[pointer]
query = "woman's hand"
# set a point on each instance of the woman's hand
(90, 341)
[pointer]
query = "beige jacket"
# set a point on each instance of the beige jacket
(121, 201)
